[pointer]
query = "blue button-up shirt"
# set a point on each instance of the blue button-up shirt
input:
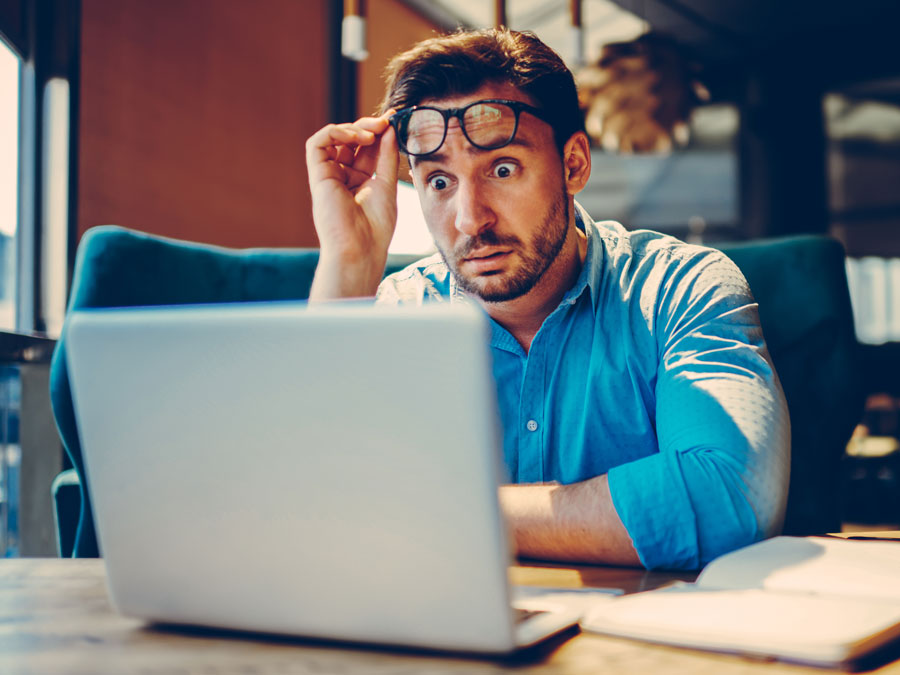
(652, 369)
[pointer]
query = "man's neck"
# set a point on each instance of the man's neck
(524, 316)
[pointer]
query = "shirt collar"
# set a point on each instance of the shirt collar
(593, 260)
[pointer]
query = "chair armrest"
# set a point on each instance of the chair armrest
(66, 491)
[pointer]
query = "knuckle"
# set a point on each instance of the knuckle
(317, 139)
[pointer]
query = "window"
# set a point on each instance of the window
(10, 74)
(10, 69)
(863, 128)
(37, 58)
(411, 235)
(691, 193)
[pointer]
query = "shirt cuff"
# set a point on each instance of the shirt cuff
(652, 502)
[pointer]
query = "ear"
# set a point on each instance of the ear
(576, 162)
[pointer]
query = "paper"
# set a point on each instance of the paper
(579, 600)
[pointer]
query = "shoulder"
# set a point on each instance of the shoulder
(627, 250)
(658, 285)
(638, 258)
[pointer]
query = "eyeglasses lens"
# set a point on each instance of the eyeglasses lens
(424, 131)
(488, 125)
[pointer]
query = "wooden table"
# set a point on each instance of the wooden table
(55, 617)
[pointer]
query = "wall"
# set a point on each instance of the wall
(194, 115)
(392, 28)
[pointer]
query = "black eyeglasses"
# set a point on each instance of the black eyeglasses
(488, 124)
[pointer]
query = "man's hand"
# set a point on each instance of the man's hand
(353, 181)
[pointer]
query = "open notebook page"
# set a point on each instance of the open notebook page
(802, 627)
(814, 600)
(811, 564)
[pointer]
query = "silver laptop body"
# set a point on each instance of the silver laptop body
(325, 471)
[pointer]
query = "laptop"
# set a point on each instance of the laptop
(320, 471)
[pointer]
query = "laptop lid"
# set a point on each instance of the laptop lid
(327, 471)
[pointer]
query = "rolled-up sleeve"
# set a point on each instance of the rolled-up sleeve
(719, 480)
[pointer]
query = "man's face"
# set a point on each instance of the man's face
(498, 217)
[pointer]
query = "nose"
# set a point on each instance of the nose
(473, 212)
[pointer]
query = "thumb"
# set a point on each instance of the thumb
(386, 167)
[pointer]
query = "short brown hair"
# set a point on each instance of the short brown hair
(463, 62)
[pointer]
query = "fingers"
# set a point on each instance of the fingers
(328, 143)
(344, 144)
(344, 154)
(347, 175)
(365, 131)
(378, 161)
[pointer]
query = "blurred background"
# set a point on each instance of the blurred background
(713, 121)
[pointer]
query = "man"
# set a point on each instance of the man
(643, 421)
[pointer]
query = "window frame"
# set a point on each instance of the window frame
(45, 34)
(7, 43)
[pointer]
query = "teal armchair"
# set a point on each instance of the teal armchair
(800, 284)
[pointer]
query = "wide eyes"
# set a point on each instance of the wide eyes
(440, 182)
(504, 170)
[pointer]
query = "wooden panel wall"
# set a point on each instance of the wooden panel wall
(194, 115)
(392, 28)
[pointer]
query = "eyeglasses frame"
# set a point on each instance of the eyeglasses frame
(447, 113)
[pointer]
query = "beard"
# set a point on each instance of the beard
(536, 258)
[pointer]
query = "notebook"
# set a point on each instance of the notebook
(817, 600)
(322, 471)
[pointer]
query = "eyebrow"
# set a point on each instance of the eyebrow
(438, 157)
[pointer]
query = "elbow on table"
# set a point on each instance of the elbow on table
(682, 509)
(753, 512)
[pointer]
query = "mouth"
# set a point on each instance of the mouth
(485, 255)
(487, 261)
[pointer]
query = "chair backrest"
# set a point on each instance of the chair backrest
(117, 267)
(800, 284)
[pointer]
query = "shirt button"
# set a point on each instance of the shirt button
(532, 425)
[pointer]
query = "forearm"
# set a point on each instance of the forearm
(575, 523)
(339, 278)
